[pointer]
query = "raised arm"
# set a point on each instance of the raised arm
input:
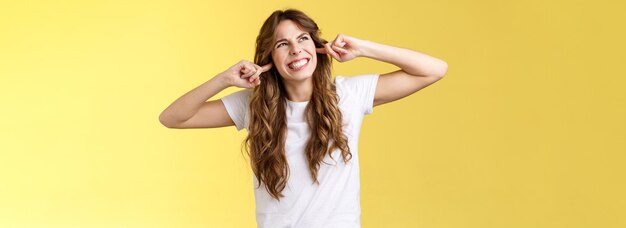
(417, 70)
(192, 110)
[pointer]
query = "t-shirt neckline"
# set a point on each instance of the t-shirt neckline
(298, 103)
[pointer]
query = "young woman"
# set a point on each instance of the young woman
(303, 127)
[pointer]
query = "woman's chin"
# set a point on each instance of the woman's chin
(301, 75)
(298, 78)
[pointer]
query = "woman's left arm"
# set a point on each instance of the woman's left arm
(417, 70)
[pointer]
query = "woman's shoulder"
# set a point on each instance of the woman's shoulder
(357, 91)
(239, 98)
(243, 94)
(355, 83)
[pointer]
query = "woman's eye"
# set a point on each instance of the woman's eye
(301, 38)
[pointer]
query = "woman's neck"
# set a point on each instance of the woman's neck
(299, 91)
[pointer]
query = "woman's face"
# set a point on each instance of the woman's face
(293, 52)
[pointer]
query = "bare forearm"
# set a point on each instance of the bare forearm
(412, 62)
(187, 105)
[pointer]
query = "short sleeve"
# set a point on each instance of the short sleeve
(360, 89)
(237, 105)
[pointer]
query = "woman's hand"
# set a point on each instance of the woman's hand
(343, 48)
(244, 74)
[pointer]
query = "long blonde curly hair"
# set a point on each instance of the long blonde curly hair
(265, 143)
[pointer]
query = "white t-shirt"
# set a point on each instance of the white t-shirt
(335, 202)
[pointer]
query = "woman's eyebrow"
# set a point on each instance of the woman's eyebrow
(284, 39)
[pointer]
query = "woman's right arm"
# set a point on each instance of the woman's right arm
(192, 110)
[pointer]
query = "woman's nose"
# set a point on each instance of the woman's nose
(296, 51)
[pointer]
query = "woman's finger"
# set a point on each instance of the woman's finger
(258, 72)
(266, 67)
(257, 81)
(243, 69)
(339, 49)
(330, 51)
(249, 71)
(321, 50)
(248, 74)
(339, 41)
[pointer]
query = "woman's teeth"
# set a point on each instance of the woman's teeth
(298, 64)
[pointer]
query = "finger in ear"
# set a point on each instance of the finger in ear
(337, 42)
(321, 50)
(339, 49)
(267, 67)
(331, 51)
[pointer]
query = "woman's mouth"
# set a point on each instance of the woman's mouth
(298, 65)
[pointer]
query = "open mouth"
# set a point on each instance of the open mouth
(298, 64)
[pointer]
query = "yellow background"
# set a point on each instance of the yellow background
(527, 129)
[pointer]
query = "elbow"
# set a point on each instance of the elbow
(164, 122)
(442, 69)
(167, 122)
